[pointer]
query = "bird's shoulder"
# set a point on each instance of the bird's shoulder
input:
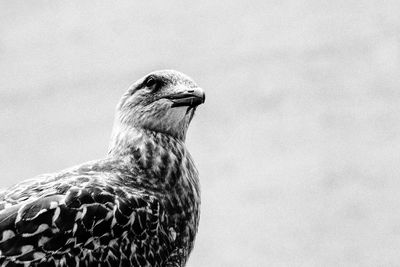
(94, 174)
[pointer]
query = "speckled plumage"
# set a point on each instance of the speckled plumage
(137, 207)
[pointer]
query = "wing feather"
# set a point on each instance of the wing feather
(97, 223)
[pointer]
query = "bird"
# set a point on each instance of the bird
(137, 206)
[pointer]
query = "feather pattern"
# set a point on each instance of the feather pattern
(137, 207)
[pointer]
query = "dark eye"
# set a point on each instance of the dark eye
(151, 81)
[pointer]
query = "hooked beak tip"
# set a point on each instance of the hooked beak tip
(191, 98)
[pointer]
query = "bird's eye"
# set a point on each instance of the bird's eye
(153, 83)
(150, 81)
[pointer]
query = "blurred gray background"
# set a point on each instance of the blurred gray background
(297, 144)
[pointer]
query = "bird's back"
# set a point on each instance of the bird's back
(97, 214)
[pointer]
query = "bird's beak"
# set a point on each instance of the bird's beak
(191, 98)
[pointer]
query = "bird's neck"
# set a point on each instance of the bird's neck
(125, 140)
(162, 158)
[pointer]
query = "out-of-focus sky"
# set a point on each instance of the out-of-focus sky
(297, 144)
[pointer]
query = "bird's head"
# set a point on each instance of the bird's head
(162, 101)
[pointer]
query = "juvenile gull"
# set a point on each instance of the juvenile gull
(139, 206)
